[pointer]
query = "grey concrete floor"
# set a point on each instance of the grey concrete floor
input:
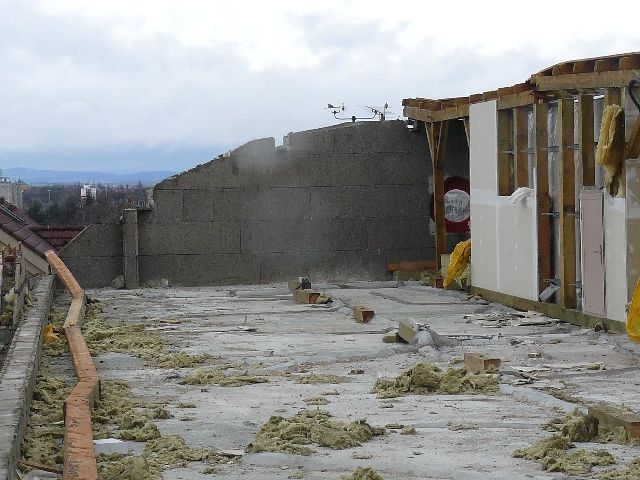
(328, 340)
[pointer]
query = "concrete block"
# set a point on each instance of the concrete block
(95, 272)
(189, 270)
(280, 203)
(305, 296)
(356, 202)
(390, 337)
(405, 169)
(189, 238)
(407, 330)
(363, 314)
(399, 233)
(197, 206)
(478, 362)
(99, 240)
(404, 201)
(168, 205)
(353, 169)
(614, 417)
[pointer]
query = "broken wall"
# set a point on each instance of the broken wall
(336, 203)
(503, 235)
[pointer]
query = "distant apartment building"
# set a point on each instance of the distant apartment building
(88, 191)
(11, 191)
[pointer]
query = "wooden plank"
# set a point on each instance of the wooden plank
(618, 78)
(551, 310)
(363, 314)
(505, 152)
(562, 69)
(630, 62)
(516, 100)
(543, 201)
(583, 66)
(437, 137)
(586, 140)
(480, 363)
(606, 65)
(476, 98)
(412, 265)
(613, 96)
(490, 95)
(566, 181)
(418, 114)
(521, 153)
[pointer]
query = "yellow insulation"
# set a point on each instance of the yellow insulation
(633, 316)
(458, 262)
(609, 152)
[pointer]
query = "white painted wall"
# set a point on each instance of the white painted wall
(503, 235)
(615, 257)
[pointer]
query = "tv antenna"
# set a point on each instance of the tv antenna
(376, 112)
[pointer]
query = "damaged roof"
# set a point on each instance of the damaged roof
(583, 75)
(22, 228)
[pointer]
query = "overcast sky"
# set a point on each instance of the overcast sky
(127, 85)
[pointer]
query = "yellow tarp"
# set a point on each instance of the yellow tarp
(458, 261)
(49, 335)
(633, 316)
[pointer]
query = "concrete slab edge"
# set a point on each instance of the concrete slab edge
(18, 376)
(79, 453)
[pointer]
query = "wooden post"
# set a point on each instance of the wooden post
(566, 181)
(585, 140)
(437, 136)
(467, 130)
(521, 145)
(543, 203)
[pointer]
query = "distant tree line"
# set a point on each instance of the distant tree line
(62, 204)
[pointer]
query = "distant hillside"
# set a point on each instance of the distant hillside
(40, 177)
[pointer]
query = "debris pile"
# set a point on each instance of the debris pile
(318, 378)
(555, 454)
(307, 427)
(217, 376)
(426, 378)
(362, 473)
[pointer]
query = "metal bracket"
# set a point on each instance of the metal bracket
(555, 281)
(578, 284)
(551, 214)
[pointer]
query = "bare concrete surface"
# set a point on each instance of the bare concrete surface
(262, 328)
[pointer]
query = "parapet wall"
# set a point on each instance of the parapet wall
(335, 203)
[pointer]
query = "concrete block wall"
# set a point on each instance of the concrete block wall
(335, 203)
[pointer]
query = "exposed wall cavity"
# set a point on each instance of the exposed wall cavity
(503, 234)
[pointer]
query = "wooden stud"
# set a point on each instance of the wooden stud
(613, 96)
(467, 130)
(437, 137)
(586, 139)
(633, 147)
(505, 152)
(543, 202)
(521, 145)
(566, 181)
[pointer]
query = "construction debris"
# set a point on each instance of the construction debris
(425, 379)
(217, 376)
(554, 456)
(305, 296)
(362, 473)
(363, 314)
(575, 426)
(318, 378)
(632, 472)
(391, 337)
(307, 427)
(479, 363)
(407, 330)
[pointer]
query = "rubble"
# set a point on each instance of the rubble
(425, 378)
(362, 473)
(307, 427)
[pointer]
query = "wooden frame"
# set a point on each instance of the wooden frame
(543, 201)
(505, 152)
(566, 181)
(437, 139)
